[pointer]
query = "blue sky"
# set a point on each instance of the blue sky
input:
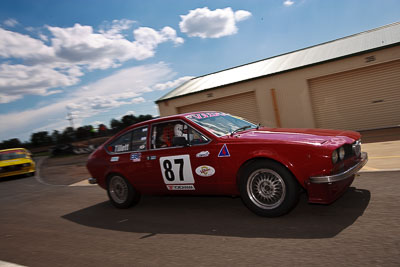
(99, 60)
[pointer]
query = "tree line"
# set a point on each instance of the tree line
(69, 134)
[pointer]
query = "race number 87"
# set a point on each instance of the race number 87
(176, 169)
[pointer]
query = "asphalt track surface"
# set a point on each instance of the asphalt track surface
(44, 224)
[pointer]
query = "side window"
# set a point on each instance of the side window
(139, 138)
(166, 135)
(196, 138)
(162, 135)
(121, 144)
(132, 141)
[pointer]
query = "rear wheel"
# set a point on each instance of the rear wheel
(121, 193)
(268, 188)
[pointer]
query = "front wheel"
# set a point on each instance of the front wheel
(268, 188)
(121, 193)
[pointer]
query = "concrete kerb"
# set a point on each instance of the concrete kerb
(382, 156)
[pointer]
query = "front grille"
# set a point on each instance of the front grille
(11, 168)
(352, 150)
(348, 149)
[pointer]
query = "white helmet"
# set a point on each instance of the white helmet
(178, 130)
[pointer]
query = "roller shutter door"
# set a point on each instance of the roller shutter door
(243, 105)
(366, 98)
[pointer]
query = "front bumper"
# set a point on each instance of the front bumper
(14, 171)
(343, 175)
(326, 189)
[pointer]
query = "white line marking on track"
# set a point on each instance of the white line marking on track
(9, 264)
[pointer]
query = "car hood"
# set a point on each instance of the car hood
(305, 136)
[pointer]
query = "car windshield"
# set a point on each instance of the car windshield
(220, 123)
(12, 155)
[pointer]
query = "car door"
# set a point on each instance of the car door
(188, 168)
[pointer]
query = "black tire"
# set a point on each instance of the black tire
(121, 193)
(268, 189)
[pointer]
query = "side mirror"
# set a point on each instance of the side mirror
(179, 141)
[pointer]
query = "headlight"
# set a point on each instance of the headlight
(335, 157)
(357, 148)
(341, 153)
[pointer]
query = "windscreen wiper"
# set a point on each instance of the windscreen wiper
(240, 129)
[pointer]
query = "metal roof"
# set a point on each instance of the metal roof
(369, 40)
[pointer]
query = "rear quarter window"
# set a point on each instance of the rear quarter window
(135, 140)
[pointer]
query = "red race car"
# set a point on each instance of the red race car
(214, 153)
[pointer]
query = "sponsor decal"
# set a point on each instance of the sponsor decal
(135, 157)
(114, 159)
(202, 154)
(121, 148)
(200, 116)
(224, 152)
(181, 187)
(205, 171)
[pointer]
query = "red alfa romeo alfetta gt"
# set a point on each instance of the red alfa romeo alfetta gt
(220, 154)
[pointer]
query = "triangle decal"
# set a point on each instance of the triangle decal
(224, 152)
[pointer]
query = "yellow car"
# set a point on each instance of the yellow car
(16, 161)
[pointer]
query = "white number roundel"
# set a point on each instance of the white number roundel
(176, 169)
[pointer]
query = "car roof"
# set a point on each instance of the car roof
(157, 120)
(170, 117)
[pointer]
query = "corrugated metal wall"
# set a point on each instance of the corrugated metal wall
(365, 98)
(243, 105)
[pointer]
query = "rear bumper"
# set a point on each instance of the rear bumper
(326, 189)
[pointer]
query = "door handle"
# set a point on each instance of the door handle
(151, 157)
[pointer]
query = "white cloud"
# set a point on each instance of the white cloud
(241, 15)
(124, 87)
(19, 124)
(16, 45)
(11, 22)
(206, 23)
(71, 52)
(81, 45)
(116, 27)
(95, 104)
(150, 38)
(288, 3)
(53, 92)
(19, 80)
(43, 37)
(129, 82)
(172, 84)
(4, 98)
